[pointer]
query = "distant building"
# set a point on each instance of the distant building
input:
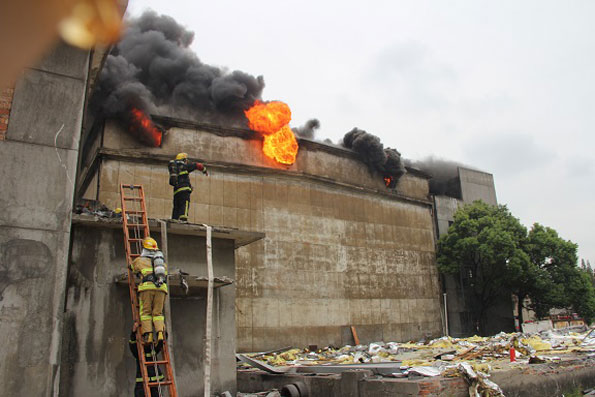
(467, 187)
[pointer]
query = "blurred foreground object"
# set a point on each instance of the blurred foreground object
(92, 22)
(29, 28)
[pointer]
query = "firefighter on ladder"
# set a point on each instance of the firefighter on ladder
(151, 267)
(154, 372)
(179, 178)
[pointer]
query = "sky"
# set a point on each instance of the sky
(506, 87)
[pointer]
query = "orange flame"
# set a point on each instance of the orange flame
(281, 146)
(390, 182)
(268, 118)
(272, 119)
(142, 126)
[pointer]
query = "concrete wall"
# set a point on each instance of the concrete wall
(477, 185)
(38, 169)
(445, 211)
(340, 248)
(96, 360)
(474, 185)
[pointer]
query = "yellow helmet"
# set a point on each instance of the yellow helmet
(182, 156)
(150, 243)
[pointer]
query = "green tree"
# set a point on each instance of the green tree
(485, 245)
(496, 258)
(566, 284)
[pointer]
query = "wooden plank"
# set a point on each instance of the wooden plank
(355, 337)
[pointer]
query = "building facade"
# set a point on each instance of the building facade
(469, 186)
(340, 249)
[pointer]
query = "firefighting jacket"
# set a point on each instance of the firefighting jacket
(148, 357)
(179, 174)
(143, 266)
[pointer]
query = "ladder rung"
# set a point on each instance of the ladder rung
(134, 212)
(164, 383)
(135, 224)
(156, 362)
(133, 198)
(135, 239)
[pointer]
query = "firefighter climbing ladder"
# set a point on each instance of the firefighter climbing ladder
(136, 228)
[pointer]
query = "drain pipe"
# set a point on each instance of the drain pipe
(209, 315)
(445, 315)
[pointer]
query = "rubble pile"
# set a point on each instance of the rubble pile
(438, 352)
(472, 358)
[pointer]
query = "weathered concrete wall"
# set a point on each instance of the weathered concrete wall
(340, 249)
(236, 147)
(477, 185)
(38, 168)
(474, 185)
(459, 319)
(445, 211)
(96, 360)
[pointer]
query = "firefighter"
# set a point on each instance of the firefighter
(179, 178)
(153, 376)
(151, 267)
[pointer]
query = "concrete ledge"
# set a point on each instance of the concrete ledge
(196, 285)
(239, 237)
(145, 157)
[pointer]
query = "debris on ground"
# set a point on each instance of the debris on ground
(479, 384)
(269, 393)
(96, 208)
(472, 358)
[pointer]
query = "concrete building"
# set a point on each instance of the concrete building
(467, 187)
(313, 248)
(95, 357)
(340, 248)
(65, 319)
(38, 156)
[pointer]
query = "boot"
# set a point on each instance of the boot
(148, 338)
(160, 336)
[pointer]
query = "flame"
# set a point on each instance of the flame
(142, 126)
(390, 181)
(271, 119)
(281, 146)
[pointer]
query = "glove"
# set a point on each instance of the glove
(204, 171)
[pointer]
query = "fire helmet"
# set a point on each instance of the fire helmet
(182, 156)
(150, 243)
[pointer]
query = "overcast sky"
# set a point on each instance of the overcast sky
(506, 86)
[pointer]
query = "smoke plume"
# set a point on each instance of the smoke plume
(152, 68)
(387, 161)
(444, 175)
(308, 130)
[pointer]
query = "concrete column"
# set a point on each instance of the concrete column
(37, 169)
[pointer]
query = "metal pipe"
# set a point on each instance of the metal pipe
(209, 319)
(445, 315)
(167, 306)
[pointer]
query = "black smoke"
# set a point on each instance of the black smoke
(153, 68)
(445, 175)
(308, 130)
(386, 161)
